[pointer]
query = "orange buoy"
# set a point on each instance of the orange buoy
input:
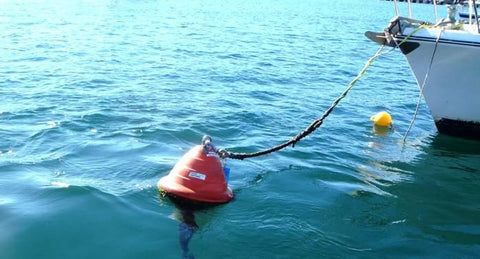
(198, 176)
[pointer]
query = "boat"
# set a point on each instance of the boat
(444, 57)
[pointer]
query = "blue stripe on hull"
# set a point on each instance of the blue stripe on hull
(444, 41)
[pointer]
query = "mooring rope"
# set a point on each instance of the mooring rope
(312, 127)
(223, 153)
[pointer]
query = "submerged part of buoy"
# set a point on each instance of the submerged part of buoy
(382, 119)
(380, 130)
(198, 176)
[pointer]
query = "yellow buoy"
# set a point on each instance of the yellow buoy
(382, 119)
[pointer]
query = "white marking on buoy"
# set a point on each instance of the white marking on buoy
(212, 154)
(197, 175)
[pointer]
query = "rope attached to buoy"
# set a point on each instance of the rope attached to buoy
(312, 127)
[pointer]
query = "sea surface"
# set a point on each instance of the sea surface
(99, 100)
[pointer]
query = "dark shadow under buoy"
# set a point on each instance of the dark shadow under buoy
(186, 229)
(381, 130)
(185, 211)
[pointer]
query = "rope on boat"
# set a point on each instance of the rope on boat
(423, 85)
(312, 127)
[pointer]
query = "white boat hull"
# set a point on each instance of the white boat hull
(452, 88)
(450, 58)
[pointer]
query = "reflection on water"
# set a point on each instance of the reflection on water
(443, 145)
(380, 130)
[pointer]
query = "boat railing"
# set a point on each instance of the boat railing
(472, 10)
(476, 16)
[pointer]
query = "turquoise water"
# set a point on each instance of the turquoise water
(99, 99)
